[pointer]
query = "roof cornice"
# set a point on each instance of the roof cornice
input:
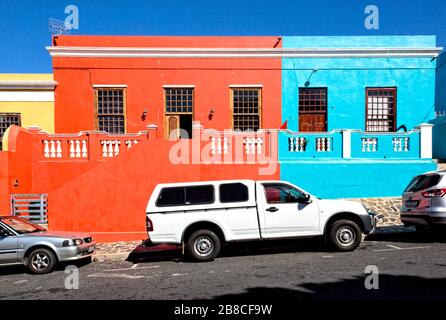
(27, 85)
(133, 52)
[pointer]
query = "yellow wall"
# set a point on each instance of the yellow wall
(39, 114)
(33, 113)
(26, 77)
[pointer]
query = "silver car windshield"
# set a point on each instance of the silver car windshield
(21, 226)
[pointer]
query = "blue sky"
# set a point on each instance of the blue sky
(24, 24)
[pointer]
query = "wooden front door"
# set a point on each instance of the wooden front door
(172, 123)
(312, 122)
(312, 109)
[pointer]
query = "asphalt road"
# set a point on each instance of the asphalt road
(410, 267)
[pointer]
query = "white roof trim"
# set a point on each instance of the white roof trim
(132, 52)
(111, 86)
(27, 85)
(167, 86)
(246, 86)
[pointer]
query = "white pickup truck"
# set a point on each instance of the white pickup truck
(201, 216)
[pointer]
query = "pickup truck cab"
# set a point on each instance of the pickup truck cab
(202, 216)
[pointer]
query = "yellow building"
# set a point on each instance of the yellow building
(27, 100)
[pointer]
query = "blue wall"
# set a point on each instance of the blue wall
(439, 129)
(440, 91)
(347, 79)
(353, 178)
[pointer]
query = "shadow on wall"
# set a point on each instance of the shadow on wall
(391, 287)
(438, 138)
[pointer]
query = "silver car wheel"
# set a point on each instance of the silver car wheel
(40, 261)
(345, 236)
(203, 246)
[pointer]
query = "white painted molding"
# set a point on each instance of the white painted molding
(173, 86)
(27, 85)
(246, 86)
(133, 52)
(109, 86)
(346, 144)
(27, 96)
(425, 140)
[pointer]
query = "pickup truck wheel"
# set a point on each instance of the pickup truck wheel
(41, 261)
(203, 245)
(344, 235)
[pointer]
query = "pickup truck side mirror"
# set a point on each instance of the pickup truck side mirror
(305, 199)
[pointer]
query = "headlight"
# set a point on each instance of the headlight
(73, 242)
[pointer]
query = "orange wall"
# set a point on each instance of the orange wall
(110, 200)
(107, 197)
(144, 77)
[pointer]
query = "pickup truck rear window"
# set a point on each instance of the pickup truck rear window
(423, 182)
(233, 192)
(181, 196)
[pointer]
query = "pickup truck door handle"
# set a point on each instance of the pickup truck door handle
(272, 209)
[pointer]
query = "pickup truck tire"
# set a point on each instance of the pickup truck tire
(203, 245)
(344, 235)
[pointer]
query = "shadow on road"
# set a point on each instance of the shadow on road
(391, 287)
(22, 269)
(173, 253)
(384, 234)
(408, 235)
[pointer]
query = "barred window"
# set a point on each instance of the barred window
(179, 100)
(246, 109)
(380, 109)
(110, 108)
(312, 100)
(6, 120)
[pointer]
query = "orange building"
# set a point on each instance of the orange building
(166, 81)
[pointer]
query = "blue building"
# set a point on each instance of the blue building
(355, 109)
(439, 130)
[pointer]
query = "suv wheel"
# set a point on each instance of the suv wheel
(344, 235)
(203, 245)
(41, 261)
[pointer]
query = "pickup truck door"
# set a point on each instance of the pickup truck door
(286, 213)
(8, 247)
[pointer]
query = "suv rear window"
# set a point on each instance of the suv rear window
(180, 196)
(233, 192)
(423, 182)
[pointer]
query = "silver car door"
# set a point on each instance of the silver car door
(8, 247)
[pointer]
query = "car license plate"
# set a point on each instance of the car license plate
(412, 203)
(91, 249)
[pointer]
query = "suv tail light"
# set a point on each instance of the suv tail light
(436, 193)
(149, 224)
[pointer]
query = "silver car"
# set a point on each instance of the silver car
(424, 201)
(22, 242)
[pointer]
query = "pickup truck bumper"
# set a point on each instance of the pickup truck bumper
(370, 221)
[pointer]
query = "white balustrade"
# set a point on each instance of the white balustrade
(297, 144)
(52, 149)
(78, 148)
(130, 143)
(369, 144)
(253, 145)
(219, 145)
(323, 144)
(401, 144)
(110, 148)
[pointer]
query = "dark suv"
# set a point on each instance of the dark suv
(424, 201)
